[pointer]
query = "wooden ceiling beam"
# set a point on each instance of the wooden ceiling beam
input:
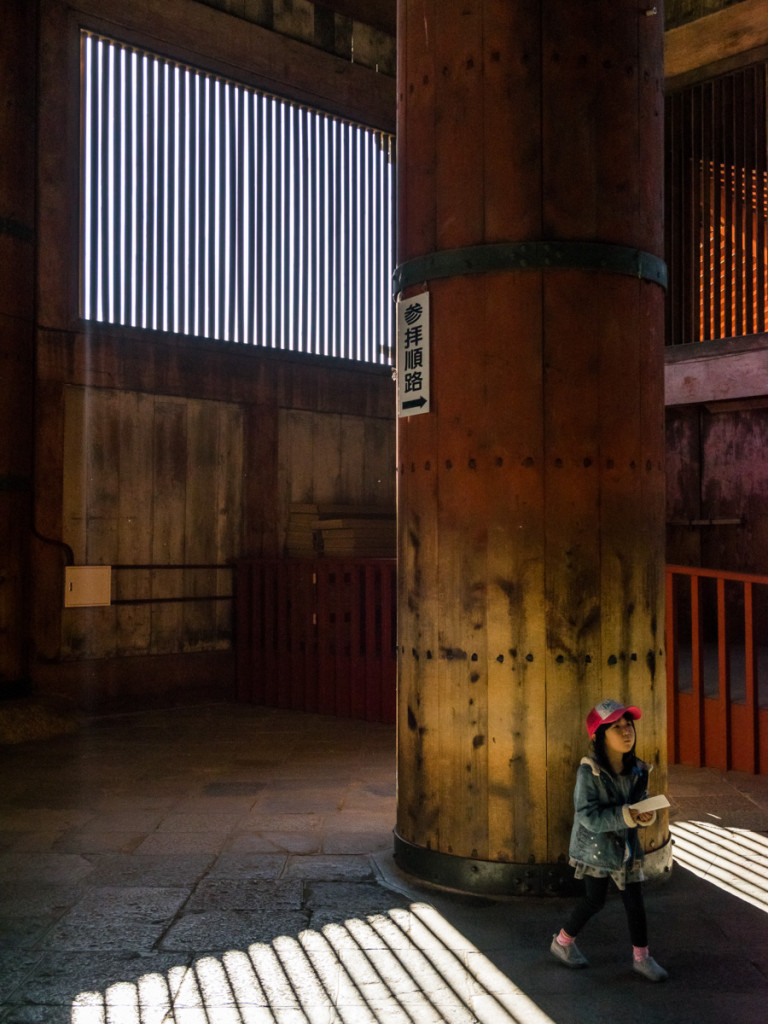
(715, 39)
(381, 14)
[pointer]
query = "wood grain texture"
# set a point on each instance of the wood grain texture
(718, 379)
(459, 100)
(327, 458)
(461, 402)
(531, 549)
(511, 121)
(418, 732)
(573, 601)
(134, 511)
(416, 133)
(152, 480)
(517, 769)
(168, 547)
(736, 29)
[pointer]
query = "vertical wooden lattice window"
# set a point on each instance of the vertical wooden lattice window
(210, 209)
(717, 207)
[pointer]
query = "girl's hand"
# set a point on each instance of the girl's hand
(641, 816)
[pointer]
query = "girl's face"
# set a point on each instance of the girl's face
(620, 736)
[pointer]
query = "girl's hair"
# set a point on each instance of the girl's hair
(599, 754)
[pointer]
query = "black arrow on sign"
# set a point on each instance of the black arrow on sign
(414, 402)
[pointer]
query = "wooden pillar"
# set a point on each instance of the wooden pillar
(531, 497)
(17, 261)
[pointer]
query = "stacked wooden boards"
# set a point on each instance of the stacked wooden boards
(356, 531)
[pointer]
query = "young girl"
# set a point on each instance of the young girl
(604, 839)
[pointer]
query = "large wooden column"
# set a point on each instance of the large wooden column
(531, 497)
(18, 61)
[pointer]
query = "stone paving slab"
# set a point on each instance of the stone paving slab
(282, 821)
(719, 810)
(15, 966)
(37, 842)
(25, 930)
(60, 981)
(249, 865)
(275, 842)
(38, 819)
(302, 801)
(359, 842)
(245, 894)
(117, 918)
(354, 899)
(173, 869)
(325, 866)
(173, 843)
(231, 929)
(44, 867)
(33, 897)
(88, 842)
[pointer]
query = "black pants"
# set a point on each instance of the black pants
(595, 891)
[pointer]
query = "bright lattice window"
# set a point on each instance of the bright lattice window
(210, 209)
(717, 208)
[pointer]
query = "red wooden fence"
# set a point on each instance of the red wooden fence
(318, 635)
(717, 669)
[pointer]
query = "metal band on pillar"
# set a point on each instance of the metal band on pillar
(566, 255)
(499, 878)
(483, 877)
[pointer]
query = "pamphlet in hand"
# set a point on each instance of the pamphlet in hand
(652, 803)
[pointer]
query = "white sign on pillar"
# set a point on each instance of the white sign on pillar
(413, 355)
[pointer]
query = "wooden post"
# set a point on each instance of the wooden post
(531, 496)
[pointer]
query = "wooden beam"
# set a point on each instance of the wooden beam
(381, 14)
(710, 40)
(228, 45)
(717, 377)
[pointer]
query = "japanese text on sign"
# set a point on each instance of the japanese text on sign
(413, 355)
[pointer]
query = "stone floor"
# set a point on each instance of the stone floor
(231, 865)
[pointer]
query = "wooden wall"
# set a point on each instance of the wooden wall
(157, 450)
(717, 410)
(336, 459)
(158, 480)
(151, 480)
(190, 458)
(717, 468)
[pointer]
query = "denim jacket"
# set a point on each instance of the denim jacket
(604, 835)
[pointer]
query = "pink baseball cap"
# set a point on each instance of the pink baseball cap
(608, 711)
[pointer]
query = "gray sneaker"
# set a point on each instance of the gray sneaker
(568, 955)
(650, 969)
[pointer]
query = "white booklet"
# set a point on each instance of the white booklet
(652, 803)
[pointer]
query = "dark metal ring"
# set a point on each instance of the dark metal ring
(478, 259)
(483, 877)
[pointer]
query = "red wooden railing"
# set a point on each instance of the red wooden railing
(717, 669)
(318, 635)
